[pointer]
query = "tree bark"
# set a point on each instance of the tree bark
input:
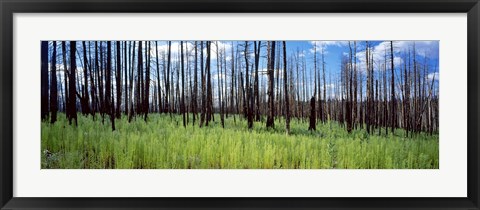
(53, 86)
(182, 106)
(44, 79)
(392, 111)
(118, 77)
(108, 86)
(285, 88)
(248, 89)
(271, 83)
(72, 88)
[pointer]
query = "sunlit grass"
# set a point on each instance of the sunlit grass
(163, 143)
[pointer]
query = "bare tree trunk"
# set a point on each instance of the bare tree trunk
(368, 113)
(167, 80)
(312, 125)
(285, 89)
(385, 100)
(271, 83)
(209, 85)
(53, 87)
(350, 91)
(392, 111)
(323, 105)
(125, 75)
(72, 88)
(146, 99)
(355, 86)
(85, 99)
(44, 79)
(66, 75)
(233, 86)
(101, 87)
(108, 86)
(118, 78)
(182, 106)
(195, 86)
(204, 109)
(248, 89)
(132, 60)
(256, 88)
(219, 84)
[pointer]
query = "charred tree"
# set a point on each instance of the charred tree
(271, 83)
(66, 76)
(146, 95)
(392, 97)
(285, 89)
(108, 86)
(84, 100)
(248, 89)
(256, 91)
(312, 126)
(53, 86)
(209, 86)
(44, 79)
(118, 77)
(72, 88)
(182, 105)
(195, 85)
(204, 96)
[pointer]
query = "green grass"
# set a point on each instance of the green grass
(163, 143)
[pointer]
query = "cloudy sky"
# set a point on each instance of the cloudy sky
(427, 53)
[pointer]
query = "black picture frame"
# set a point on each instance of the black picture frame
(9, 7)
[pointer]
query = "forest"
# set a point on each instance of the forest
(240, 104)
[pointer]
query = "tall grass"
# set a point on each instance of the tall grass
(163, 143)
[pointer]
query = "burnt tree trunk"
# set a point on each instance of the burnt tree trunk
(66, 76)
(118, 78)
(256, 88)
(182, 105)
(285, 88)
(72, 88)
(146, 95)
(248, 89)
(53, 86)
(271, 83)
(312, 126)
(44, 79)
(209, 86)
(108, 86)
(392, 97)
(85, 98)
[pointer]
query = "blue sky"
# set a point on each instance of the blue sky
(427, 53)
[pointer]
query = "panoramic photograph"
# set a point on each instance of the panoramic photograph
(239, 104)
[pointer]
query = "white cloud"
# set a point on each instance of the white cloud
(301, 54)
(329, 43)
(324, 45)
(433, 76)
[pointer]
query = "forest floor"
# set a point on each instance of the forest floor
(163, 143)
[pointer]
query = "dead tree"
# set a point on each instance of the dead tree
(118, 77)
(44, 79)
(285, 88)
(312, 126)
(108, 86)
(85, 99)
(72, 88)
(392, 97)
(182, 104)
(271, 83)
(53, 86)
(256, 50)
(247, 102)
(209, 86)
